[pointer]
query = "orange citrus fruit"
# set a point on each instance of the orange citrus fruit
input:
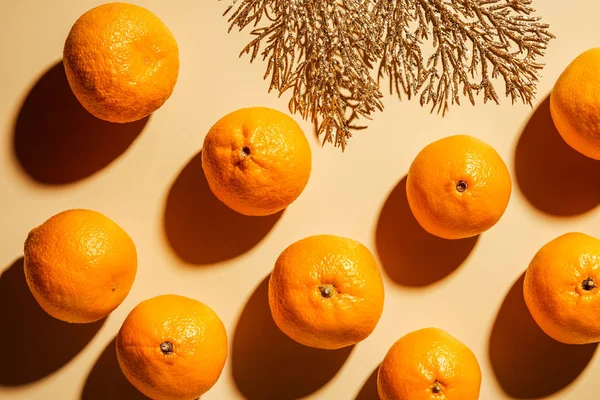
(79, 265)
(562, 288)
(575, 104)
(172, 348)
(458, 187)
(429, 364)
(257, 160)
(121, 62)
(326, 292)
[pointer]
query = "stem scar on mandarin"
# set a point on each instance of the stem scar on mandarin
(166, 347)
(588, 284)
(461, 186)
(326, 291)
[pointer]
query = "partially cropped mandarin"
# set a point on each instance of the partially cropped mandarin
(172, 348)
(562, 288)
(256, 160)
(326, 292)
(575, 104)
(79, 265)
(429, 364)
(458, 187)
(121, 62)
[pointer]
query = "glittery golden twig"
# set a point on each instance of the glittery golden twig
(321, 50)
(473, 42)
(324, 50)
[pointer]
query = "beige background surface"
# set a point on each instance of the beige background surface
(148, 179)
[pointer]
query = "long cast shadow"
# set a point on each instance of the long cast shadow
(106, 381)
(39, 344)
(57, 141)
(266, 364)
(410, 255)
(527, 363)
(553, 177)
(203, 230)
(369, 388)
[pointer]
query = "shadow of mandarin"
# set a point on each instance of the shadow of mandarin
(553, 177)
(106, 381)
(57, 141)
(40, 343)
(200, 228)
(266, 364)
(527, 363)
(369, 388)
(408, 254)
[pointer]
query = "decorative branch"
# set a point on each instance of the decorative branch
(401, 59)
(323, 52)
(473, 43)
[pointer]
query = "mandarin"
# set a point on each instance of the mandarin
(458, 187)
(326, 292)
(172, 348)
(561, 288)
(575, 104)
(256, 160)
(121, 62)
(429, 364)
(79, 265)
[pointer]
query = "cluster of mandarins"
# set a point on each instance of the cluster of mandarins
(325, 291)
